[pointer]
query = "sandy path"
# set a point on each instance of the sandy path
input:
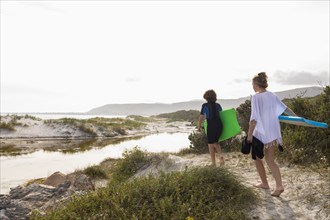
(306, 194)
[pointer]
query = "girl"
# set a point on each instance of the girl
(264, 125)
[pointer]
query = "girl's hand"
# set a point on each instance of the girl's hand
(249, 139)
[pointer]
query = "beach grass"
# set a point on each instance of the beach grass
(118, 125)
(96, 172)
(196, 193)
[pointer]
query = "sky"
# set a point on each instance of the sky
(73, 56)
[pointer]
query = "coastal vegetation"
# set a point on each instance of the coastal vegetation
(92, 126)
(196, 193)
(140, 118)
(89, 126)
(183, 115)
(14, 121)
(305, 145)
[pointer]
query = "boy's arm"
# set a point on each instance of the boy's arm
(200, 121)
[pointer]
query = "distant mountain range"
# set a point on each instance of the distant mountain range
(148, 109)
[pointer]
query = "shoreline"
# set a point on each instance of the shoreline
(16, 145)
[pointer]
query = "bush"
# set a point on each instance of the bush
(243, 115)
(306, 145)
(200, 193)
(132, 161)
(95, 172)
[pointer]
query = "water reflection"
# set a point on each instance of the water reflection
(68, 155)
(14, 147)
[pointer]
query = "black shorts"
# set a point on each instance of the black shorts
(214, 130)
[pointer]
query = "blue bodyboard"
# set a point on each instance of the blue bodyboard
(302, 121)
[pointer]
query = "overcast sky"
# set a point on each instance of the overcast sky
(59, 56)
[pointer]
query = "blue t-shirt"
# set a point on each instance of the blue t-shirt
(206, 111)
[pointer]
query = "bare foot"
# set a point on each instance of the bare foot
(277, 192)
(222, 161)
(262, 186)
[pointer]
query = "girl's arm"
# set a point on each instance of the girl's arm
(288, 111)
(252, 125)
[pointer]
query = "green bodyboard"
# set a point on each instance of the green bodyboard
(230, 126)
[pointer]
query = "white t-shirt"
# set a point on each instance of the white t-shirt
(265, 109)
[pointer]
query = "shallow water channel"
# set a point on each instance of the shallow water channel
(16, 170)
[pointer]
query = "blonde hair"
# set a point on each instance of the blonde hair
(261, 80)
(210, 96)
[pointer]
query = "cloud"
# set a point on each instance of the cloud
(301, 78)
(132, 79)
(243, 80)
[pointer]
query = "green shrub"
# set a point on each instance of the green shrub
(95, 172)
(198, 142)
(186, 151)
(243, 115)
(132, 161)
(199, 193)
(306, 145)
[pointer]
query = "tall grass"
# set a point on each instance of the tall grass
(140, 118)
(198, 193)
(88, 126)
(10, 125)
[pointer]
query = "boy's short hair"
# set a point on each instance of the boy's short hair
(210, 96)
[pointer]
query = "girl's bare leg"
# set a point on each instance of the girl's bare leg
(262, 173)
(270, 159)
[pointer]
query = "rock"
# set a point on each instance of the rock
(21, 200)
(3, 215)
(55, 179)
(81, 182)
